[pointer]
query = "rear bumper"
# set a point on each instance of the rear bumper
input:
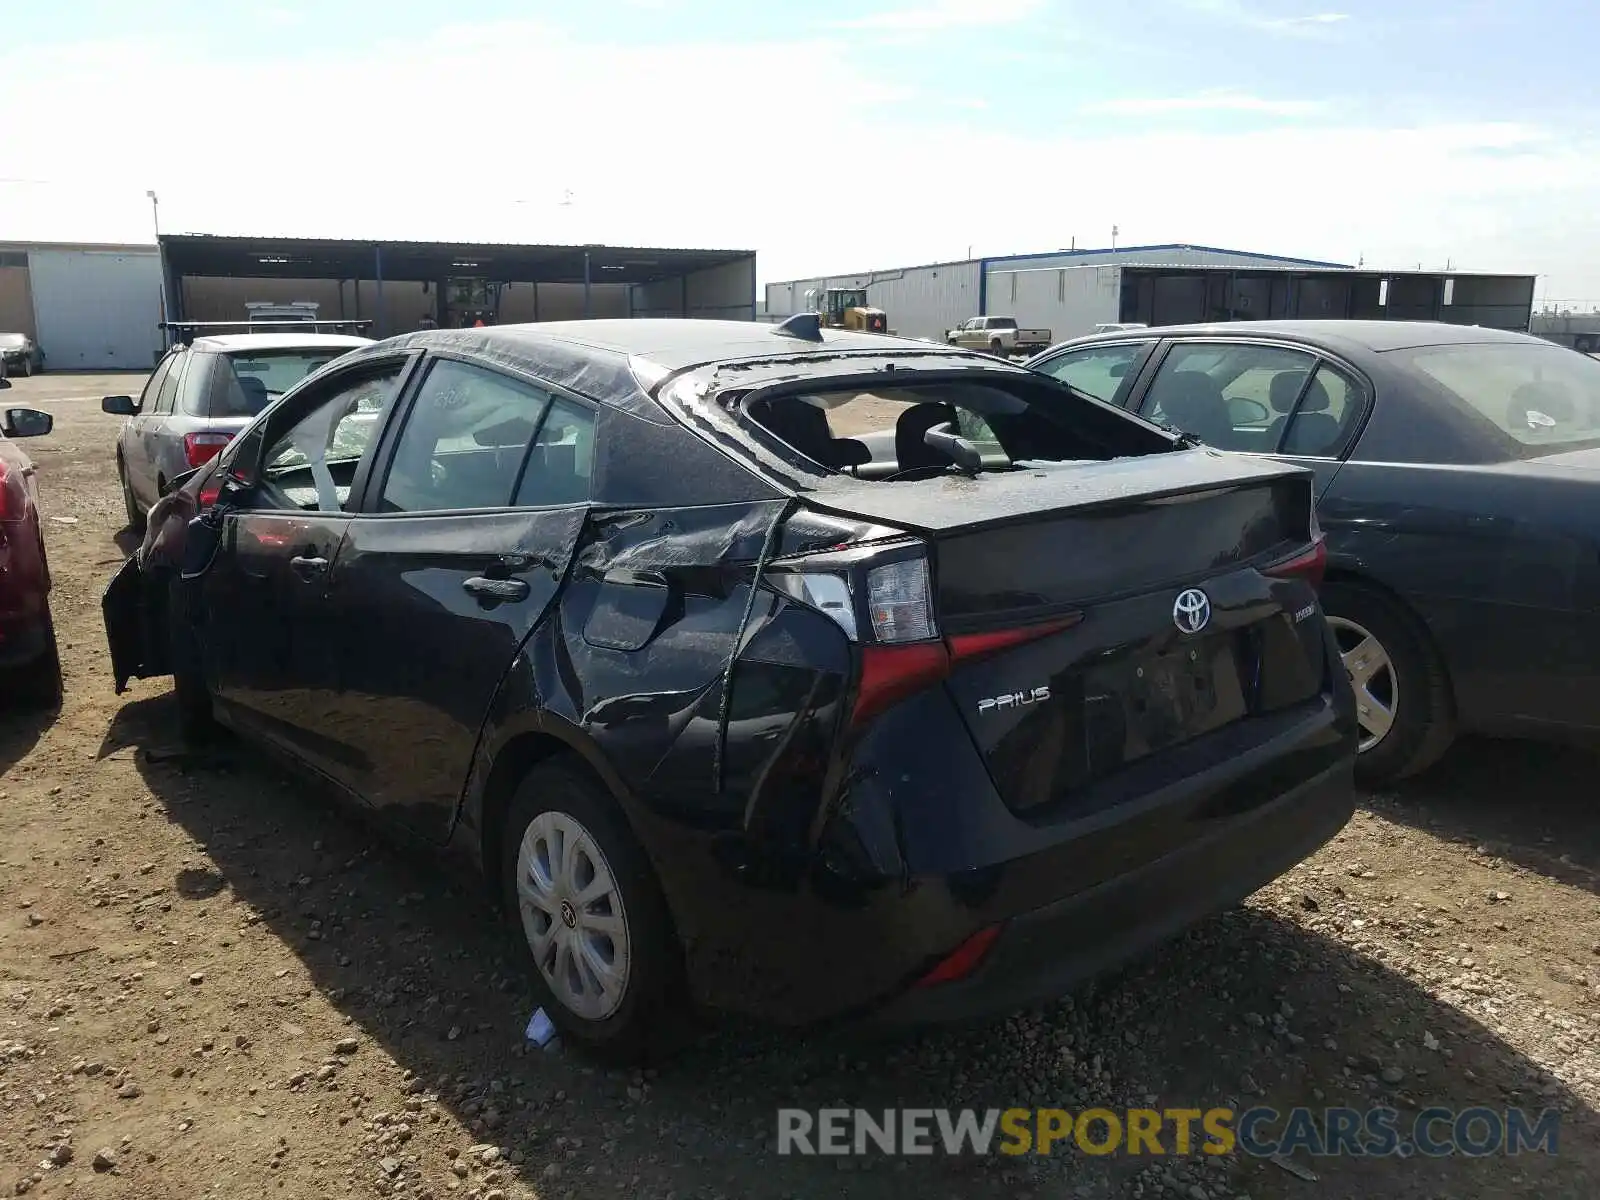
(1040, 955)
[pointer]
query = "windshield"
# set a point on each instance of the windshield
(246, 383)
(1538, 399)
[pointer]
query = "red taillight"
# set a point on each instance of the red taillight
(1309, 564)
(965, 646)
(891, 673)
(963, 960)
(7, 502)
(210, 493)
(201, 448)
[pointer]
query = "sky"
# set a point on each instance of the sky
(829, 137)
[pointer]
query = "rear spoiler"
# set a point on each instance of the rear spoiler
(187, 331)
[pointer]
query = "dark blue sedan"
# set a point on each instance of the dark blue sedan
(1458, 482)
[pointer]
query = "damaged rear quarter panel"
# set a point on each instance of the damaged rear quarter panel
(661, 595)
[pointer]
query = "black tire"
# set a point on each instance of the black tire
(997, 349)
(27, 368)
(197, 722)
(136, 516)
(652, 1016)
(1424, 722)
(38, 684)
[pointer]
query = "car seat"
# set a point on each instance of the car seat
(911, 451)
(1193, 402)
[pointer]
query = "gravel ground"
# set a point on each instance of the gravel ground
(214, 984)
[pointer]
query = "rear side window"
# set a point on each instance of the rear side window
(464, 441)
(152, 386)
(562, 459)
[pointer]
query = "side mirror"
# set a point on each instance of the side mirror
(242, 471)
(1118, 370)
(26, 422)
(119, 406)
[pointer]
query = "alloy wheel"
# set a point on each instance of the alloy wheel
(1372, 675)
(572, 915)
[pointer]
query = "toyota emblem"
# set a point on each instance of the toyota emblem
(1191, 611)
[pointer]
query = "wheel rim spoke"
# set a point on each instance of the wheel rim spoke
(573, 915)
(1372, 677)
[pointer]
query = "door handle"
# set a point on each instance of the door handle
(496, 589)
(308, 567)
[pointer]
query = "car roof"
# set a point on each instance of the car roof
(234, 343)
(599, 358)
(675, 343)
(1377, 336)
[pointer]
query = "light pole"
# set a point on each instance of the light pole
(161, 259)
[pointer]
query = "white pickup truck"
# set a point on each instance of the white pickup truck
(998, 335)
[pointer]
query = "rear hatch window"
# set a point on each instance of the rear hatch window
(243, 384)
(922, 429)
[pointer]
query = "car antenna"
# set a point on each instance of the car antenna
(805, 325)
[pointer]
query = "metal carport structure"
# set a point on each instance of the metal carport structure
(397, 283)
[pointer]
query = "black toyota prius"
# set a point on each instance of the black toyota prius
(802, 672)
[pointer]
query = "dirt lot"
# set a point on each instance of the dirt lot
(212, 983)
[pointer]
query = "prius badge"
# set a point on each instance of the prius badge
(1013, 700)
(1191, 611)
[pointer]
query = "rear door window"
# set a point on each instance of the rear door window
(1104, 372)
(561, 462)
(465, 440)
(152, 386)
(1230, 395)
(169, 384)
(1329, 411)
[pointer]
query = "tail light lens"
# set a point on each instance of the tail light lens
(899, 602)
(9, 504)
(1310, 564)
(887, 607)
(201, 448)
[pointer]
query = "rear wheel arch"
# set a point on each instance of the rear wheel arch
(1432, 673)
(522, 753)
(1353, 578)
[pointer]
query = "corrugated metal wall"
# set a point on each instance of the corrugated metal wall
(1069, 301)
(1156, 256)
(921, 302)
(97, 309)
(726, 293)
(215, 298)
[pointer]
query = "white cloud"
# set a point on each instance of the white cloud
(946, 14)
(1304, 24)
(1235, 102)
(701, 145)
(1237, 12)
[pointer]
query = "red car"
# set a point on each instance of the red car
(29, 667)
